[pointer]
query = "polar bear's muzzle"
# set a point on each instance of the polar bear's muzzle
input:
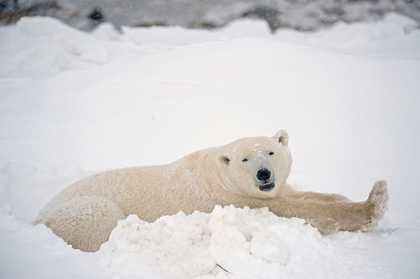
(267, 186)
(264, 175)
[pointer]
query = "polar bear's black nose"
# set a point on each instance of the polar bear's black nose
(263, 174)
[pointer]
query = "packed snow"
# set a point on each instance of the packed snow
(75, 103)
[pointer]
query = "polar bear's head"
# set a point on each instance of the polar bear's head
(256, 167)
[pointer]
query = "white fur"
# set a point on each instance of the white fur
(85, 213)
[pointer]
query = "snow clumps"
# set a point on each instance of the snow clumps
(235, 239)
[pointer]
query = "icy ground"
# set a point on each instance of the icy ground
(73, 103)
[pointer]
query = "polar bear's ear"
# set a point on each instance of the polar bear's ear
(282, 137)
(223, 160)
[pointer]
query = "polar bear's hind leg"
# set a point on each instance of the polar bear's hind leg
(84, 222)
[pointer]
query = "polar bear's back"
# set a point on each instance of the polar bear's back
(125, 187)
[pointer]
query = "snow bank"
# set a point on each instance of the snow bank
(41, 46)
(47, 46)
(238, 240)
(299, 15)
(192, 245)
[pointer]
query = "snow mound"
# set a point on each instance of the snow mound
(233, 238)
(48, 46)
(393, 26)
(42, 46)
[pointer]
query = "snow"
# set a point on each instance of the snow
(74, 103)
(297, 14)
(236, 239)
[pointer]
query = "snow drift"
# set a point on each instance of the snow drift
(237, 240)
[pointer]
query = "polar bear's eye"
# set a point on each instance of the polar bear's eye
(244, 159)
(271, 153)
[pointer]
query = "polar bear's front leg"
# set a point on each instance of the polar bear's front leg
(330, 217)
(292, 194)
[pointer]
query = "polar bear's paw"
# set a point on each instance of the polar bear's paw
(377, 204)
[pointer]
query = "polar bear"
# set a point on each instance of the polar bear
(247, 172)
